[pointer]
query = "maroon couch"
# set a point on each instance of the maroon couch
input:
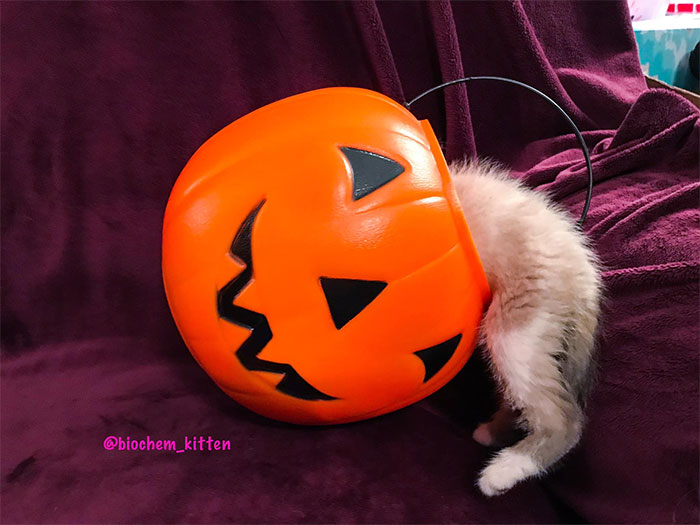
(103, 104)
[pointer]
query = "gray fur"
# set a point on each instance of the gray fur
(540, 327)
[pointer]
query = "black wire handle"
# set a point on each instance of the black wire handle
(581, 141)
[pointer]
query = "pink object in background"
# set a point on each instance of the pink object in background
(647, 9)
(682, 8)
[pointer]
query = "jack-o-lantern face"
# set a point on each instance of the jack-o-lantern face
(317, 262)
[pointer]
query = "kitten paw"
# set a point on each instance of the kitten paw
(501, 431)
(483, 435)
(504, 471)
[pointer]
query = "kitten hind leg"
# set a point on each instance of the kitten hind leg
(540, 449)
(525, 364)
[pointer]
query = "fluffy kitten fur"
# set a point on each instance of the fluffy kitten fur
(540, 326)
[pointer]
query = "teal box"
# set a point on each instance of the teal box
(664, 48)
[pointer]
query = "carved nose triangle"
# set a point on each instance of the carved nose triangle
(348, 297)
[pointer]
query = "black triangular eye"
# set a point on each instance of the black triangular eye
(370, 171)
(348, 297)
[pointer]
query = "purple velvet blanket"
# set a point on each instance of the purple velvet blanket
(103, 104)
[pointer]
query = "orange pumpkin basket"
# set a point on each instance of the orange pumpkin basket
(317, 262)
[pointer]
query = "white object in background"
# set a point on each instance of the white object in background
(647, 9)
(668, 23)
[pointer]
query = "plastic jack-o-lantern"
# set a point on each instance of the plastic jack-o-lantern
(317, 262)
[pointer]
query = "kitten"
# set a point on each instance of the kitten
(539, 328)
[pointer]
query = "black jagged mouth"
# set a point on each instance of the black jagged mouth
(436, 357)
(292, 383)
